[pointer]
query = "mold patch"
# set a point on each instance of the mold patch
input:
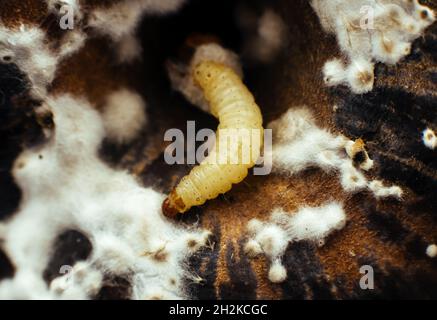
(369, 32)
(66, 186)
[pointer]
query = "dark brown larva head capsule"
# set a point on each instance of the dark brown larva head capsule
(168, 210)
(173, 205)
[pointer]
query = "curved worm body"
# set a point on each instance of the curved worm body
(232, 103)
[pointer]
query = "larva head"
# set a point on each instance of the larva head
(173, 205)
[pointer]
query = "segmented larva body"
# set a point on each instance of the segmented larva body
(233, 104)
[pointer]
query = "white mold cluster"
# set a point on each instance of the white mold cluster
(66, 186)
(129, 49)
(429, 138)
(272, 237)
(431, 251)
(358, 75)
(353, 148)
(122, 18)
(181, 75)
(124, 116)
(60, 7)
(28, 48)
(369, 31)
(120, 22)
(299, 144)
(265, 35)
(71, 42)
(81, 281)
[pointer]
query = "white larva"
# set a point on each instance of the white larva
(232, 103)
